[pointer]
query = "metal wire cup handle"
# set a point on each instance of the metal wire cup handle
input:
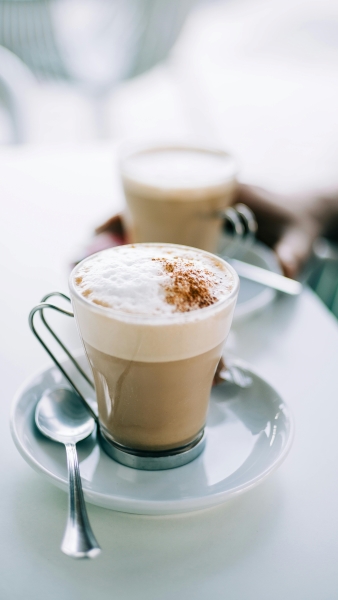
(239, 224)
(40, 308)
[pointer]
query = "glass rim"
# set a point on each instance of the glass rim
(129, 148)
(171, 318)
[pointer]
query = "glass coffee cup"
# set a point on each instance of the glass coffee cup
(153, 344)
(178, 194)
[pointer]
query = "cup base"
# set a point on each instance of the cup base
(152, 461)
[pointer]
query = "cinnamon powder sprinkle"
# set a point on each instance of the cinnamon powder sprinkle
(86, 292)
(190, 287)
(101, 303)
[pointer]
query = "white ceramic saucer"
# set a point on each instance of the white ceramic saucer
(254, 297)
(249, 433)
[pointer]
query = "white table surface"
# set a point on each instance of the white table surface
(278, 541)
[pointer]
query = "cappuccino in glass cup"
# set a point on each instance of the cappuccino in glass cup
(176, 194)
(153, 319)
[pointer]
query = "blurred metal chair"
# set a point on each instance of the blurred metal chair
(26, 29)
(123, 39)
(29, 29)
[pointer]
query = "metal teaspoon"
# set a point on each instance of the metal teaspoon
(61, 416)
(266, 277)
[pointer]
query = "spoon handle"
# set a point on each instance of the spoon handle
(78, 540)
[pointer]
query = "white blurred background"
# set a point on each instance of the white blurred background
(256, 76)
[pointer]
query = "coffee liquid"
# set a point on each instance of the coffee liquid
(175, 195)
(150, 405)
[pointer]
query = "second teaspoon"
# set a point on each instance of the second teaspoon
(265, 277)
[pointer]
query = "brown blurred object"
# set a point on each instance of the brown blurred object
(115, 227)
(290, 224)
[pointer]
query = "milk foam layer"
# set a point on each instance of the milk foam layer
(179, 168)
(156, 332)
(136, 279)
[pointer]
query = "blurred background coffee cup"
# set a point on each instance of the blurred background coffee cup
(177, 193)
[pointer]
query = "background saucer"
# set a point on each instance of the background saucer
(249, 433)
(254, 297)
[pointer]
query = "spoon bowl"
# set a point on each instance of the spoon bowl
(61, 416)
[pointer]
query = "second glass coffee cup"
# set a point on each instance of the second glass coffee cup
(178, 194)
